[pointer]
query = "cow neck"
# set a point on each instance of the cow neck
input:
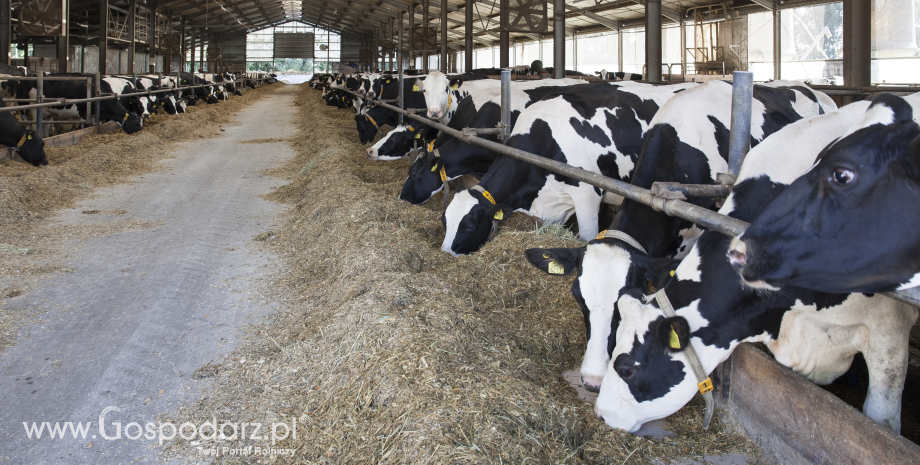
(651, 229)
(507, 179)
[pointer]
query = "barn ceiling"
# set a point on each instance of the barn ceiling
(367, 16)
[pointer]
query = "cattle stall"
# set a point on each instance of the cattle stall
(761, 384)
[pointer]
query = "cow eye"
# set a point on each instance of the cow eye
(843, 176)
(626, 372)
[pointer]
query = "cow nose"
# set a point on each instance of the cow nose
(737, 254)
(372, 153)
(591, 385)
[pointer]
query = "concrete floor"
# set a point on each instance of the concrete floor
(143, 310)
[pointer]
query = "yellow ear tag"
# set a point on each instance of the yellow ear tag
(600, 235)
(411, 128)
(388, 81)
(431, 146)
(418, 136)
(415, 89)
(672, 273)
(499, 215)
(434, 168)
(30, 136)
(555, 268)
(674, 341)
(454, 87)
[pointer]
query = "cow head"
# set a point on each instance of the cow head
(397, 143)
(139, 104)
(436, 89)
(131, 123)
(605, 269)
(842, 227)
(649, 376)
(424, 179)
(212, 95)
(32, 149)
(469, 221)
(366, 129)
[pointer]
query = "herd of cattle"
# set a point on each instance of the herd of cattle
(821, 186)
(129, 109)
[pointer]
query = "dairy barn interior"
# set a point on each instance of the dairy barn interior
(383, 231)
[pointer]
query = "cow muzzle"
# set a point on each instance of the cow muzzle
(372, 154)
(435, 113)
(741, 260)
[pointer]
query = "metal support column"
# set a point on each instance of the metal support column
(559, 39)
(103, 35)
(857, 34)
(411, 39)
(374, 51)
(683, 49)
(392, 52)
(778, 41)
(653, 40)
(5, 37)
(183, 51)
(468, 48)
(503, 37)
(426, 24)
(506, 106)
(399, 59)
(63, 42)
(201, 40)
(739, 141)
(443, 59)
(620, 49)
(132, 34)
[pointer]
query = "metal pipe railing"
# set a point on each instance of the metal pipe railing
(706, 218)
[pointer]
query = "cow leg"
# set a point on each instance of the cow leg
(886, 354)
(587, 211)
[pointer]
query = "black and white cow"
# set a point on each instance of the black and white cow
(400, 141)
(111, 109)
(618, 76)
(813, 333)
(368, 122)
(598, 127)
(846, 225)
(458, 158)
(25, 142)
(443, 93)
(203, 93)
(688, 142)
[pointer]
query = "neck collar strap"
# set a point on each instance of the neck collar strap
(704, 383)
(23, 140)
(614, 234)
(484, 193)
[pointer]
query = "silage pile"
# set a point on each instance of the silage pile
(386, 349)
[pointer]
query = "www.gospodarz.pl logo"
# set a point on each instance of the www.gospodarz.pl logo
(163, 431)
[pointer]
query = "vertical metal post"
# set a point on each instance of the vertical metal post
(392, 52)
(558, 39)
(683, 49)
(194, 34)
(182, 48)
(399, 59)
(857, 47)
(620, 49)
(442, 60)
(411, 39)
(89, 105)
(5, 28)
(506, 105)
(132, 33)
(778, 41)
(426, 24)
(39, 93)
(653, 40)
(103, 37)
(63, 42)
(503, 36)
(740, 136)
(201, 39)
(97, 90)
(469, 48)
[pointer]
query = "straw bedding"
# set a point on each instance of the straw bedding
(385, 349)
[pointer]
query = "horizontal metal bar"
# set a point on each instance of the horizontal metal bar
(676, 190)
(45, 78)
(707, 218)
(62, 102)
(472, 131)
(82, 121)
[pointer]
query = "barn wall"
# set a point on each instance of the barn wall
(233, 52)
(351, 48)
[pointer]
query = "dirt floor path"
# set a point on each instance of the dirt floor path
(144, 309)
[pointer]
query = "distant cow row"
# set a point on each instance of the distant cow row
(651, 285)
(129, 109)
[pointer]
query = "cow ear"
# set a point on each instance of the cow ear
(500, 212)
(455, 83)
(673, 333)
(561, 261)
